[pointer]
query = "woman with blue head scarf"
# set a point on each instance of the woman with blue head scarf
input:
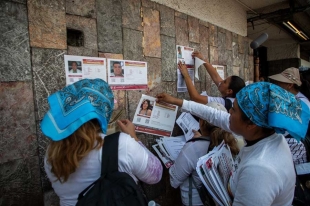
(77, 124)
(264, 171)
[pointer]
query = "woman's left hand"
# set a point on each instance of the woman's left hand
(128, 127)
(183, 69)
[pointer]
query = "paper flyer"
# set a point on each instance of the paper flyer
(127, 75)
(187, 123)
(154, 118)
(184, 54)
(198, 63)
(220, 70)
(81, 67)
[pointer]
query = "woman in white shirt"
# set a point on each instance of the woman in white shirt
(228, 87)
(185, 165)
(264, 171)
(77, 123)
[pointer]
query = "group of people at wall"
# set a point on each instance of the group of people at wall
(271, 117)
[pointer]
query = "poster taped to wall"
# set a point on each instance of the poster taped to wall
(154, 118)
(127, 75)
(220, 70)
(81, 67)
(184, 54)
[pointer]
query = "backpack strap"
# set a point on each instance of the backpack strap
(202, 138)
(228, 103)
(109, 159)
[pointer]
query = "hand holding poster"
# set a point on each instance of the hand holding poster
(154, 118)
(184, 54)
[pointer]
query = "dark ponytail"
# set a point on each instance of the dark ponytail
(236, 84)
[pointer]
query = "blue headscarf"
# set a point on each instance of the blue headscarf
(75, 105)
(268, 105)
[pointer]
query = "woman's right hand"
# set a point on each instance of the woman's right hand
(127, 127)
(164, 97)
(198, 55)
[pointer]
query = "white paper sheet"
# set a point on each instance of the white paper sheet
(198, 63)
(187, 123)
(174, 145)
(184, 54)
(81, 67)
(133, 74)
(161, 120)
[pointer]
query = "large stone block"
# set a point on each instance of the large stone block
(89, 29)
(204, 23)
(168, 60)
(49, 76)
(153, 72)
(150, 4)
(213, 35)
(20, 182)
(132, 14)
(236, 58)
(221, 48)
(111, 56)
(43, 144)
(14, 40)
(47, 24)
(196, 46)
(214, 57)
(86, 8)
(204, 41)
(241, 44)
(151, 33)
(82, 51)
(193, 27)
(228, 40)
(109, 25)
(133, 49)
(167, 21)
(51, 198)
(181, 31)
(180, 15)
(17, 128)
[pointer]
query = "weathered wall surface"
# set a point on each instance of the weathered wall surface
(227, 14)
(33, 39)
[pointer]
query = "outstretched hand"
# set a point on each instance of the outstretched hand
(183, 69)
(127, 127)
(164, 97)
(198, 55)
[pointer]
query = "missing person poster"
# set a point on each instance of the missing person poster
(154, 118)
(127, 75)
(81, 67)
(184, 54)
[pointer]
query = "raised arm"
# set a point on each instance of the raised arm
(210, 69)
(213, 116)
(194, 95)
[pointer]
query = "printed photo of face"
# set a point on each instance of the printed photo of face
(117, 69)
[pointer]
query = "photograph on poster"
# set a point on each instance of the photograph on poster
(75, 67)
(116, 69)
(155, 118)
(82, 67)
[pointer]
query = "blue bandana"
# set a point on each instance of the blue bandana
(268, 105)
(75, 105)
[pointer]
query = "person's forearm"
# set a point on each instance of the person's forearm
(191, 88)
(213, 73)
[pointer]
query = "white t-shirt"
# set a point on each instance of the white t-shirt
(264, 174)
(272, 151)
(185, 165)
(133, 158)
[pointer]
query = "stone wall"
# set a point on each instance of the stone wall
(33, 39)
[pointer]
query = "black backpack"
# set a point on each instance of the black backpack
(113, 188)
